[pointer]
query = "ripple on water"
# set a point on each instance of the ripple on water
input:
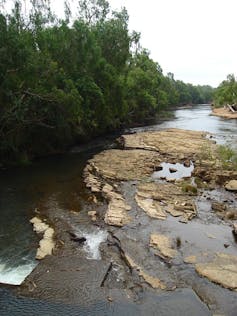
(179, 303)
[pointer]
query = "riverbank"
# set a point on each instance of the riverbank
(224, 112)
(161, 230)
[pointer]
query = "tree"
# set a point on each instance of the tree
(92, 11)
(62, 81)
(143, 87)
(226, 91)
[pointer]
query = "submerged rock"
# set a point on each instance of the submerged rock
(92, 215)
(190, 259)
(222, 270)
(151, 280)
(218, 207)
(163, 244)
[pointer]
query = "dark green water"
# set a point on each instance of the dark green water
(22, 190)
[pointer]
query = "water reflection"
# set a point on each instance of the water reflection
(173, 171)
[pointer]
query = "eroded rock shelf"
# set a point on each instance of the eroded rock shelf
(163, 198)
(164, 233)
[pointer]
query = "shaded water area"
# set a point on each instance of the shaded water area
(56, 179)
(56, 183)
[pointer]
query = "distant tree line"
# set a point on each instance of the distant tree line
(64, 81)
(226, 92)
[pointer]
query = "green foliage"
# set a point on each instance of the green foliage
(62, 81)
(227, 157)
(226, 93)
(200, 184)
(189, 188)
(205, 153)
(142, 84)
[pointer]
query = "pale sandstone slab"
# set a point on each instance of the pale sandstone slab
(116, 214)
(46, 244)
(235, 228)
(224, 112)
(163, 244)
(151, 207)
(222, 270)
(116, 164)
(231, 185)
(190, 259)
(176, 142)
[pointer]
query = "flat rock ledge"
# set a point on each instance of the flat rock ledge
(174, 142)
(222, 270)
(142, 155)
(46, 244)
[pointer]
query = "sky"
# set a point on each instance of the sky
(194, 39)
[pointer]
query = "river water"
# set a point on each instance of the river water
(22, 190)
(198, 118)
(60, 178)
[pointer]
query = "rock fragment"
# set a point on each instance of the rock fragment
(190, 259)
(92, 215)
(158, 199)
(153, 281)
(151, 207)
(163, 244)
(222, 270)
(231, 185)
(116, 214)
(47, 243)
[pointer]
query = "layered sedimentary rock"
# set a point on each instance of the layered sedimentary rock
(222, 270)
(158, 199)
(171, 142)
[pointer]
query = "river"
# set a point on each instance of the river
(59, 179)
(198, 118)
